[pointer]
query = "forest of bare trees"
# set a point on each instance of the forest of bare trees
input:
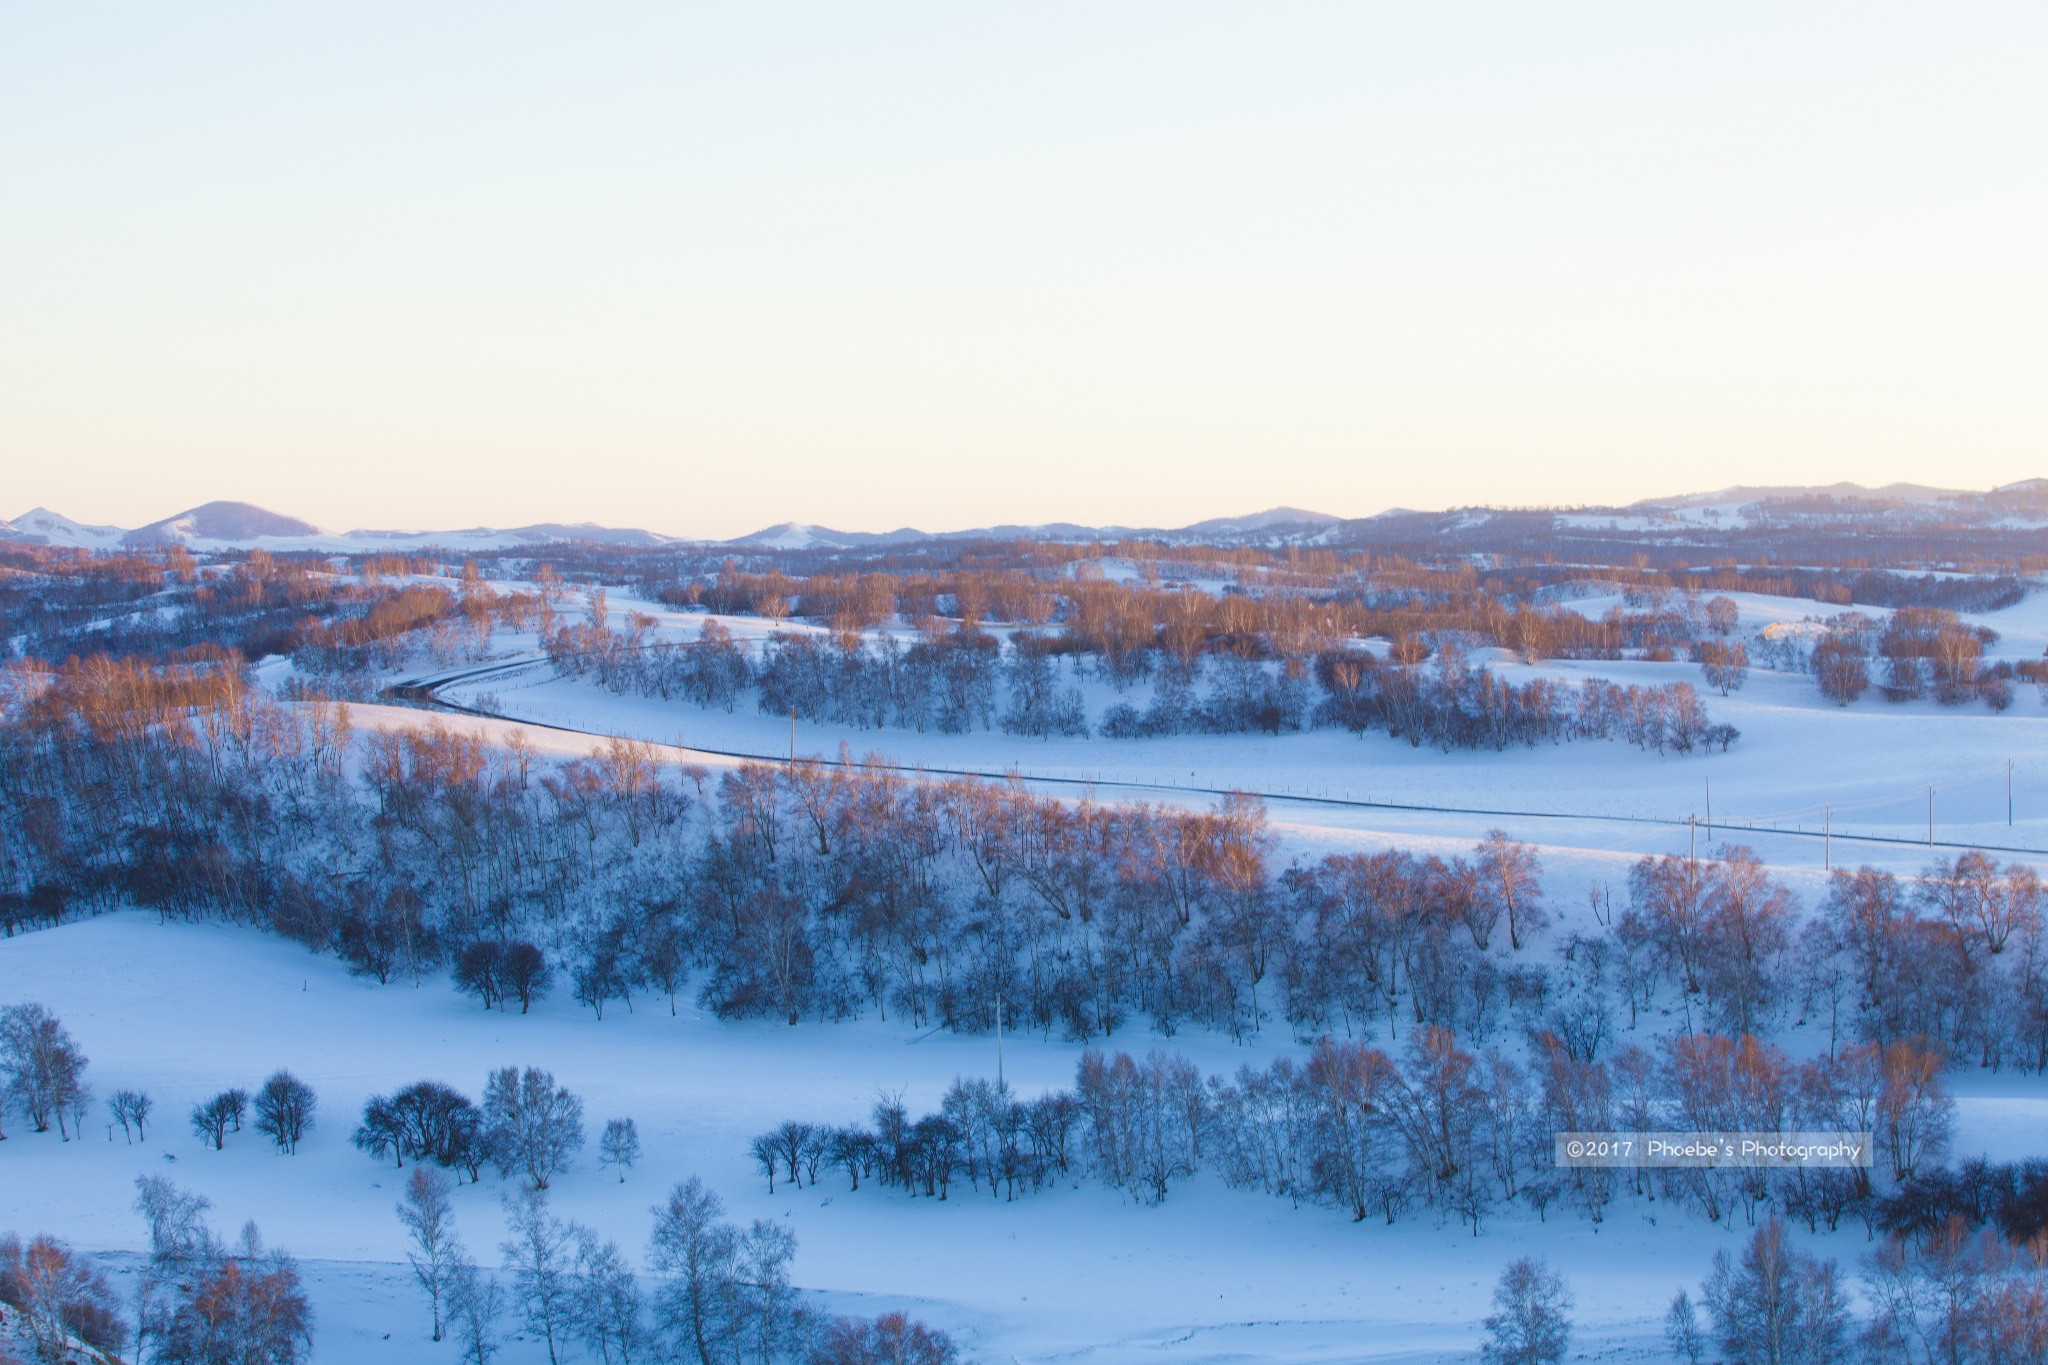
(826, 890)
(1438, 1128)
(1272, 648)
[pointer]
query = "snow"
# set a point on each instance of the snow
(57, 529)
(1075, 1273)
(53, 528)
(788, 536)
(1802, 764)
(184, 1010)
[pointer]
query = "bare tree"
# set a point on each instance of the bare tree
(695, 1252)
(61, 1296)
(1528, 1324)
(1841, 669)
(43, 1068)
(284, 1110)
(1511, 874)
(212, 1119)
(768, 1312)
(525, 973)
(1915, 1115)
(530, 1123)
(479, 971)
(248, 1304)
(539, 1254)
(429, 1220)
(475, 1302)
(1682, 1331)
(1778, 1305)
(131, 1108)
(891, 1339)
(620, 1146)
(607, 1310)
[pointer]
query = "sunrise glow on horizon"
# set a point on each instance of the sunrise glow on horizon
(702, 272)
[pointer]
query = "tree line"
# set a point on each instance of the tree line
(826, 890)
(955, 681)
(1435, 1126)
(717, 1294)
(1916, 652)
(163, 605)
(42, 1077)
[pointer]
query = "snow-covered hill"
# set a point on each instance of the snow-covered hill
(44, 527)
(241, 525)
(1729, 521)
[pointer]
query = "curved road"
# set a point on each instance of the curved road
(424, 691)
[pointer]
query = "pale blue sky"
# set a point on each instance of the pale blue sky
(704, 268)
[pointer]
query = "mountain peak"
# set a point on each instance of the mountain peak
(221, 521)
(46, 527)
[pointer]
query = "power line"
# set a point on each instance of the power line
(424, 694)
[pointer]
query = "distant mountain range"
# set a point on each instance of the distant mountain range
(1279, 522)
(2019, 506)
(241, 525)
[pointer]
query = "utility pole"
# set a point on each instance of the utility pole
(2008, 793)
(1930, 817)
(792, 737)
(1827, 828)
(1692, 851)
(1710, 810)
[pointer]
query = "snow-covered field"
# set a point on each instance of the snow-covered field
(1070, 1274)
(1802, 766)
(1076, 1273)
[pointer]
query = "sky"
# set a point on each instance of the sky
(704, 268)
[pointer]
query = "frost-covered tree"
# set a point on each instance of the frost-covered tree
(540, 1253)
(180, 1243)
(475, 1303)
(530, 1124)
(60, 1296)
(42, 1068)
(607, 1313)
(696, 1253)
(1777, 1305)
(429, 1221)
(1682, 1330)
(1528, 1325)
(178, 1234)
(620, 1146)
